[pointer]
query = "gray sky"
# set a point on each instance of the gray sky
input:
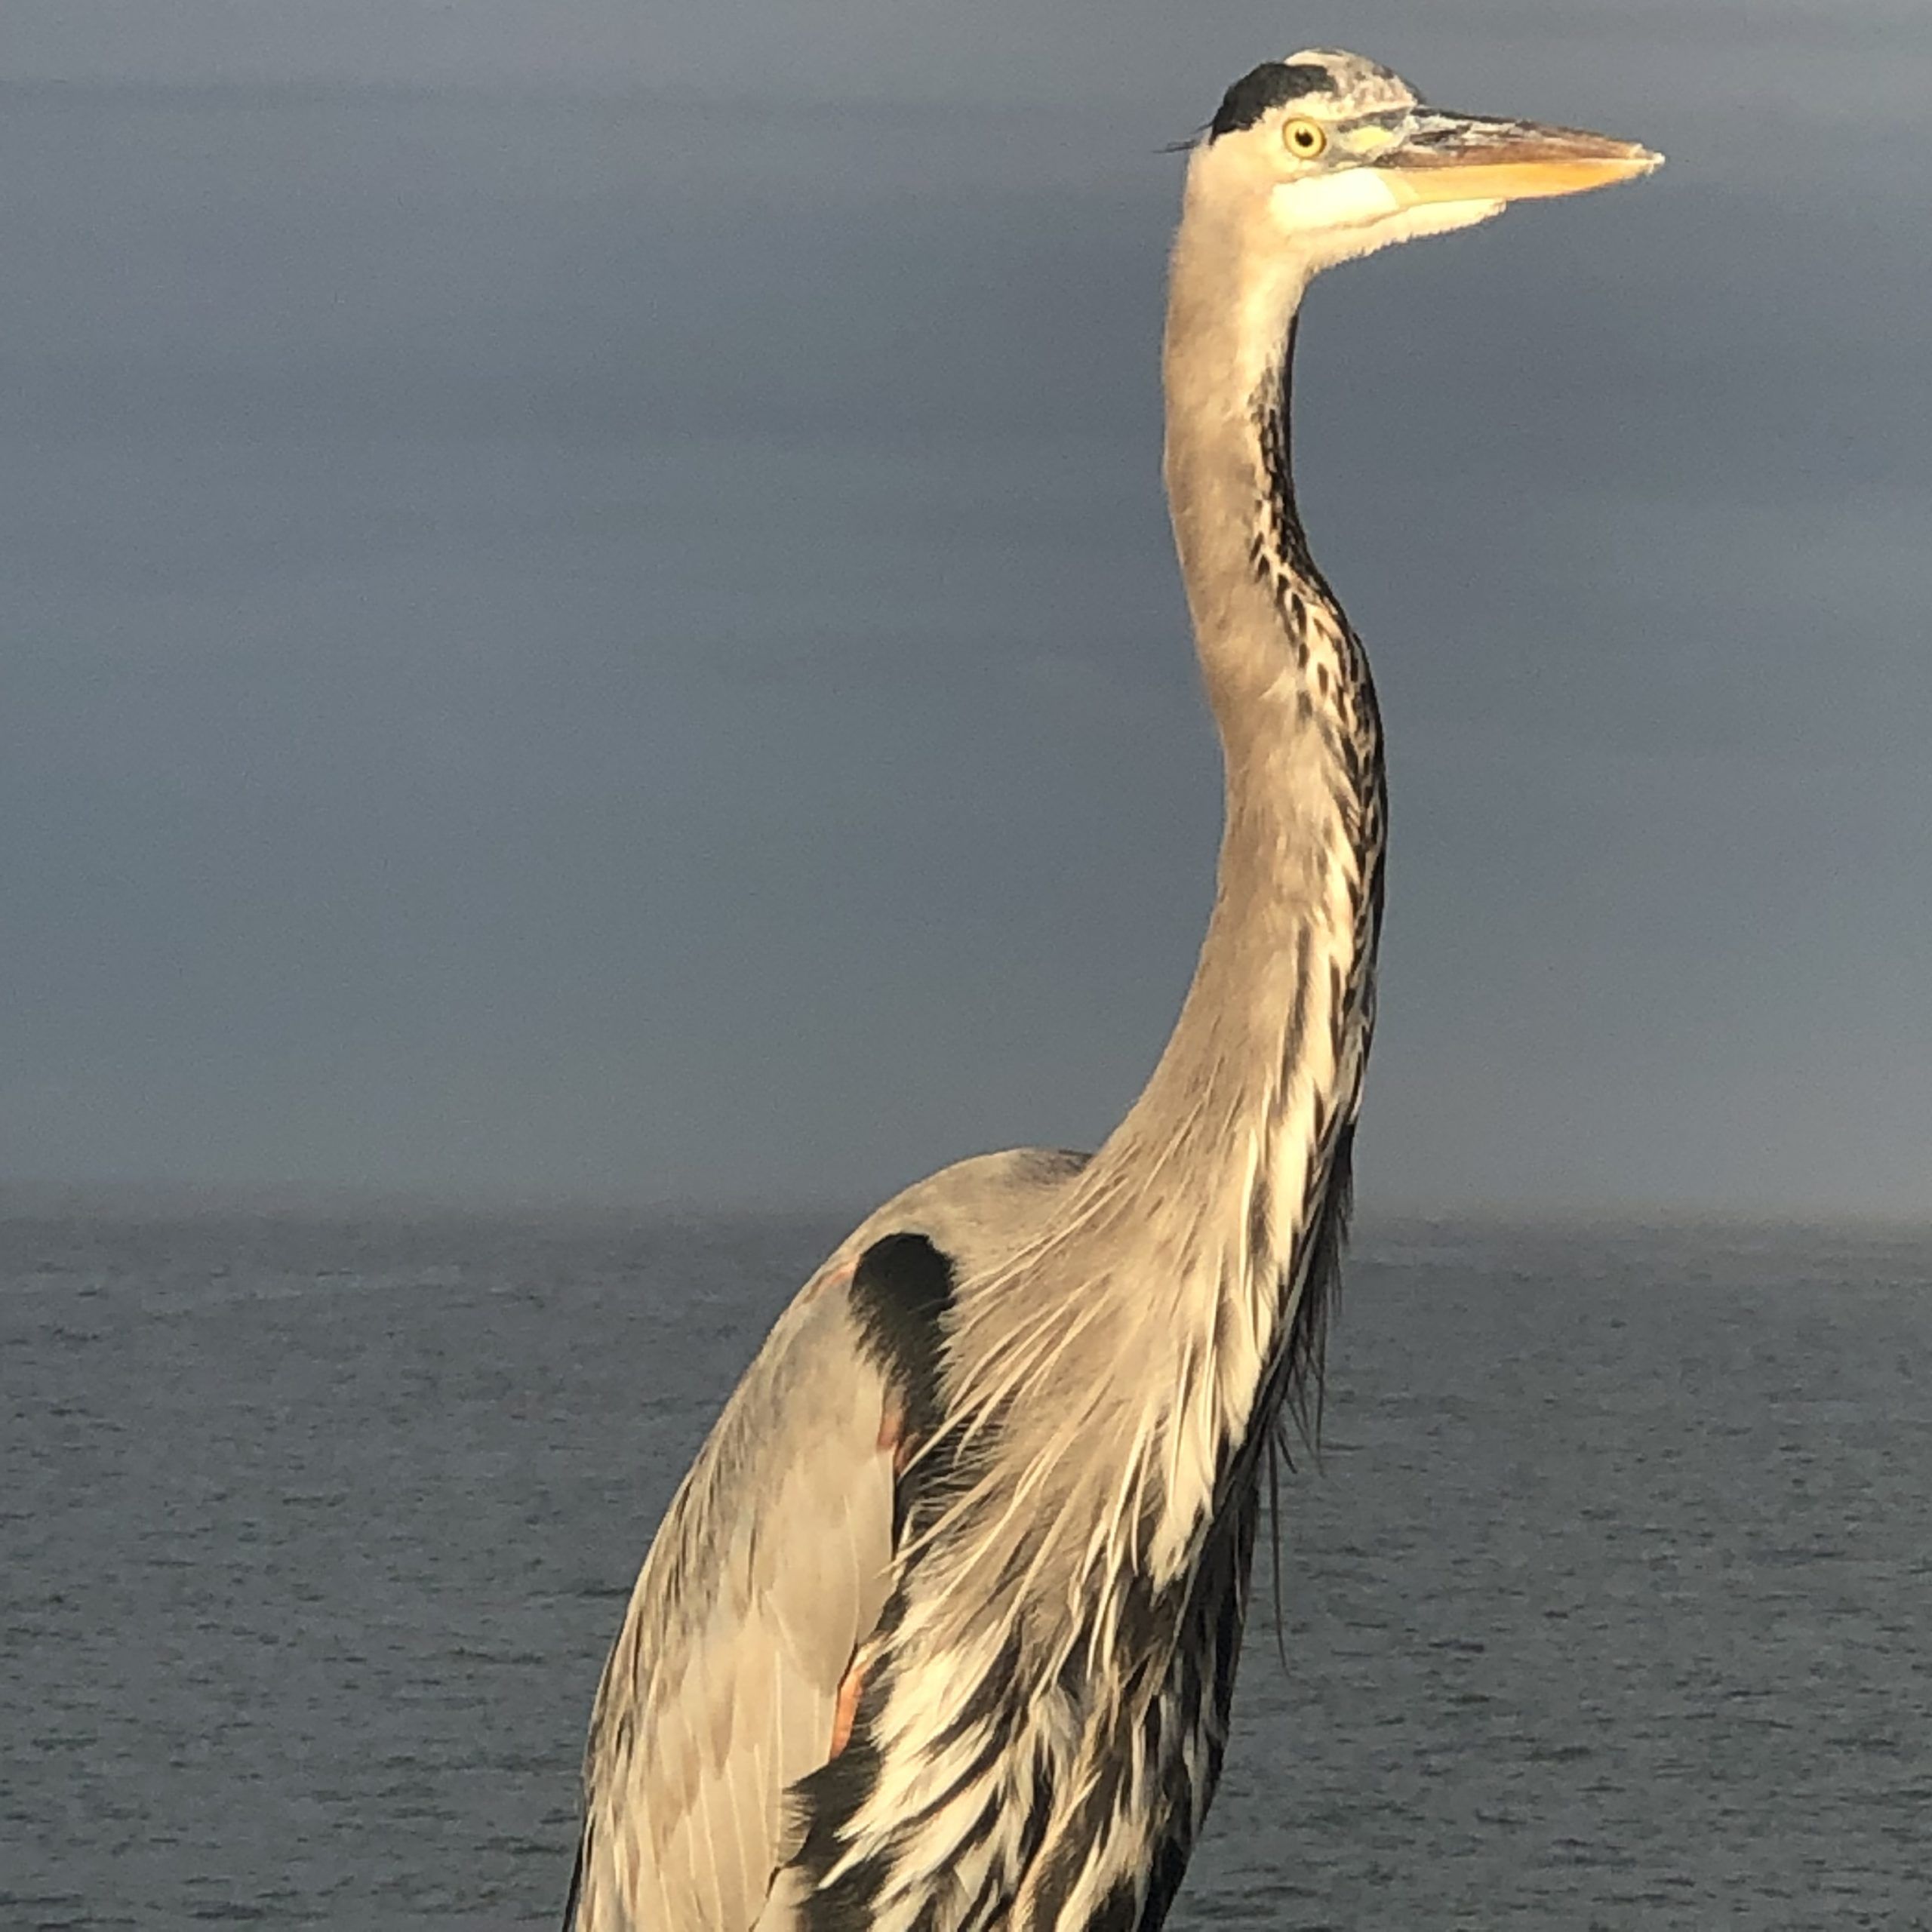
(588, 606)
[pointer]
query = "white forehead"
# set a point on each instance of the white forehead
(1362, 86)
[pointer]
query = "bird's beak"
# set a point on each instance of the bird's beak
(1461, 157)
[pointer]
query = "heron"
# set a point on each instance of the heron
(939, 1632)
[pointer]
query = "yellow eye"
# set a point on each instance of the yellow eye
(1306, 139)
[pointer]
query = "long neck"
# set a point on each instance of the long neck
(1236, 1128)
(1136, 1340)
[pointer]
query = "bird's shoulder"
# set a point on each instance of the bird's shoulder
(806, 1410)
(814, 1377)
(773, 1560)
(976, 1211)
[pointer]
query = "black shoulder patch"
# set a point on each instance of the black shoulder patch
(1272, 84)
(901, 1292)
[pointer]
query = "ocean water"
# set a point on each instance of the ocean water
(1610, 1604)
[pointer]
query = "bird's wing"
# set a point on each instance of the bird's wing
(769, 1570)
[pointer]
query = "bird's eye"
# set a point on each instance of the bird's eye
(1304, 138)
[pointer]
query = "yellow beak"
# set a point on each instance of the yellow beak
(1462, 158)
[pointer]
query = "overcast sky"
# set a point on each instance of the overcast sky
(588, 609)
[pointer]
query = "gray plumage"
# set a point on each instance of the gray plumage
(939, 1633)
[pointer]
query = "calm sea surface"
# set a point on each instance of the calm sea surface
(1610, 1606)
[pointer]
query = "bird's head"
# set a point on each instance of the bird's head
(1334, 156)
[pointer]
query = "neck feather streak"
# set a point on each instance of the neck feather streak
(1236, 1153)
(1191, 1257)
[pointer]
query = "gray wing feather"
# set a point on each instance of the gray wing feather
(770, 1567)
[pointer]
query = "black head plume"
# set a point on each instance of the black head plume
(1272, 84)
